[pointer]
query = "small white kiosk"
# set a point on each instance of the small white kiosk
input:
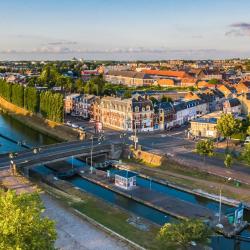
(125, 179)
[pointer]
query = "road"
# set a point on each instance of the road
(75, 233)
(53, 152)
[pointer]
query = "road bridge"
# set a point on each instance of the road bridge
(61, 151)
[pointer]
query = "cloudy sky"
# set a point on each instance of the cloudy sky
(127, 29)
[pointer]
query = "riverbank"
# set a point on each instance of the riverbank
(55, 130)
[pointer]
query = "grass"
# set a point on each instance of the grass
(108, 215)
(168, 171)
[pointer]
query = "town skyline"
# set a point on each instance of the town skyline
(154, 30)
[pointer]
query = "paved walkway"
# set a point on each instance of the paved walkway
(75, 233)
(16, 182)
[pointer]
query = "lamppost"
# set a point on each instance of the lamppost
(100, 139)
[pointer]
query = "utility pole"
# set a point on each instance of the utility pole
(91, 154)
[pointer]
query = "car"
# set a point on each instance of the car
(68, 123)
(73, 125)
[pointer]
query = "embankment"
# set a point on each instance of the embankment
(55, 130)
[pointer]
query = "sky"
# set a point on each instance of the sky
(124, 30)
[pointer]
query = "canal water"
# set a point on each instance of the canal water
(11, 128)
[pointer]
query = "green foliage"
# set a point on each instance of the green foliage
(179, 235)
(17, 96)
(31, 99)
(22, 225)
(49, 75)
(5, 90)
(228, 160)
(248, 130)
(127, 94)
(214, 81)
(153, 100)
(166, 99)
(205, 148)
(51, 106)
(96, 85)
(227, 125)
(245, 155)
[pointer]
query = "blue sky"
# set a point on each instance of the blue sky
(127, 29)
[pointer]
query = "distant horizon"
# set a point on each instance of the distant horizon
(122, 56)
(124, 30)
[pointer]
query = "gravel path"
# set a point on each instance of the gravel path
(77, 234)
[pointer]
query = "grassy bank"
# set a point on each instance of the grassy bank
(192, 179)
(108, 215)
(55, 130)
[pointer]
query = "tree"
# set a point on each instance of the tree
(245, 155)
(166, 99)
(227, 125)
(205, 148)
(248, 130)
(228, 160)
(179, 235)
(22, 225)
(214, 81)
(127, 94)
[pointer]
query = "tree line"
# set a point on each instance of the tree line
(49, 104)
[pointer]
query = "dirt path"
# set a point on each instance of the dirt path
(75, 233)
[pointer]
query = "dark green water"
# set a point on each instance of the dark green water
(19, 132)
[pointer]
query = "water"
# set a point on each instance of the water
(18, 131)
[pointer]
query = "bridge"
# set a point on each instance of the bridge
(61, 151)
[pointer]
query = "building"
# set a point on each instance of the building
(87, 74)
(125, 114)
(167, 74)
(243, 87)
(205, 126)
(125, 179)
(129, 78)
(232, 106)
(70, 102)
(164, 116)
(83, 107)
(245, 103)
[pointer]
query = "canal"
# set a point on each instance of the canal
(19, 132)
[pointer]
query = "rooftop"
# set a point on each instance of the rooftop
(125, 173)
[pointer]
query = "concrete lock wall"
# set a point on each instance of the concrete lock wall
(147, 157)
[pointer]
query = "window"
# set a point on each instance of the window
(148, 108)
(136, 109)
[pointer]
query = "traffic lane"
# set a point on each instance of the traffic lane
(65, 155)
(20, 159)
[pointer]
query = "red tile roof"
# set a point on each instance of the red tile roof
(170, 73)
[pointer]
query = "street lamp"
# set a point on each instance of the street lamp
(101, 138)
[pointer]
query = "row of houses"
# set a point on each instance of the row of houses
(141, 114)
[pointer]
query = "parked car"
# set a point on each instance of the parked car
(74, 125)
(68, 123)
